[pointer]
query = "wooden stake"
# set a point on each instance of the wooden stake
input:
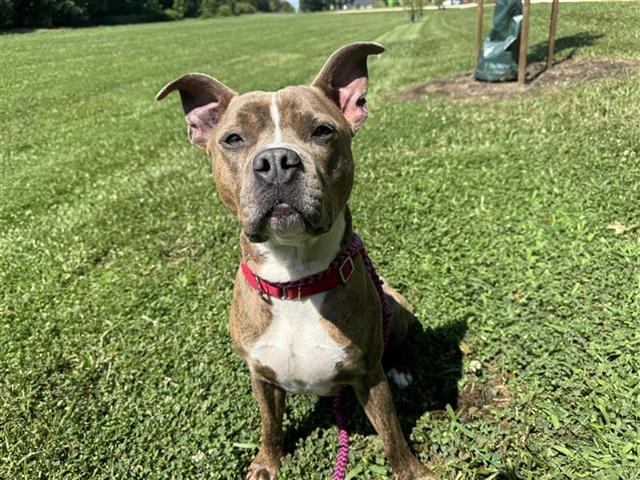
(552, 32)
(479, 28)
(524, 37)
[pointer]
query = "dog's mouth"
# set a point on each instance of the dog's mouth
(285, 221)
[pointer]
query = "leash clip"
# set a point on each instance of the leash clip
(346, 276)
(263, 295)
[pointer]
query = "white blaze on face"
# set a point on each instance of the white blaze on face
(275, 116)
(276, 141)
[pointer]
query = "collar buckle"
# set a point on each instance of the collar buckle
(285, 293)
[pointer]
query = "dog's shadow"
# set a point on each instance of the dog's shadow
(434, 359)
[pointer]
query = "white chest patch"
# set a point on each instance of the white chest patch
(297, 347)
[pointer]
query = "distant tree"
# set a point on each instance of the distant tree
(314, 5)
(286, 7)
(225, 10)
(244, 8)
(6, 13)
(414, 8)
(47, 13)
(112, 8)
(277, 6)
(209, 8)
(187, 8)
(50, 13)
(260, 5)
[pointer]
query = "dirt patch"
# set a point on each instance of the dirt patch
(479, 396)
(463, 86)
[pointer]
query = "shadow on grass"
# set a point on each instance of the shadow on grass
(509, 474)
(538, 52)
(434, 358)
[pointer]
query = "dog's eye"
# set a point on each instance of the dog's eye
(233, 140)
(323, 131)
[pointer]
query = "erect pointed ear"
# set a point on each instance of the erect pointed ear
(204, 99)
(344, 80)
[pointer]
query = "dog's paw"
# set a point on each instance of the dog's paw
(401, 379)
(427, 476)
(262, 468)
(413, 469)
(420, 472)
(261, 472)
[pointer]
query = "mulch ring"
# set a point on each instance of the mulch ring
(463, 86)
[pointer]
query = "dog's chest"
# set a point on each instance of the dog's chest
(298, 348)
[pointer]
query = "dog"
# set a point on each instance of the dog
(283, 166)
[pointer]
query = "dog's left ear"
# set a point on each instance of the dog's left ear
(344, 79)
(204, 100)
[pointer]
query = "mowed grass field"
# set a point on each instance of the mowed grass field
(117, 257)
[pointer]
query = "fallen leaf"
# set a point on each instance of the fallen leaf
(198, 457)
(475, 366)
(619, 229)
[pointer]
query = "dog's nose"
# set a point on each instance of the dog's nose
(276, 165)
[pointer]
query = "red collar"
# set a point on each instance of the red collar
(338, 272)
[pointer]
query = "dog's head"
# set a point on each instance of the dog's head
(282, 161)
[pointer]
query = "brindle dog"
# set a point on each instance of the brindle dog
(283, 166)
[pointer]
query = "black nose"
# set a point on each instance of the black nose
(276, 165)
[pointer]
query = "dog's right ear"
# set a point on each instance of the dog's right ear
(344, 79)
(204, 99)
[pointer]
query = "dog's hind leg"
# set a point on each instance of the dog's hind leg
(402, 317)
(395, 359)
(375, 397)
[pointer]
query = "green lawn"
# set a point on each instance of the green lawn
(117, 257)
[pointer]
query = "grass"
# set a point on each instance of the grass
(117, 257)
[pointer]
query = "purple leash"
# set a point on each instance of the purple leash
(342, 459)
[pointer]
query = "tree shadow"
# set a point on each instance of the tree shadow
(538, 52)
(434, 358)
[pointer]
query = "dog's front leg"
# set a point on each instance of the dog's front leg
(271, 401)
(375, 397)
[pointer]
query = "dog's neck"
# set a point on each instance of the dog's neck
(287, 260)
